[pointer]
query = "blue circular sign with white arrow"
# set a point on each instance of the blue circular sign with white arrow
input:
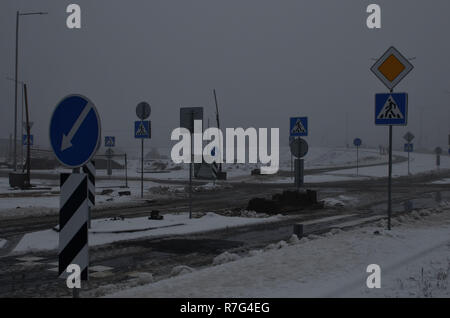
(75, 131)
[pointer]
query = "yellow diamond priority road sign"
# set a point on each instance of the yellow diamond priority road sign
(392, 67)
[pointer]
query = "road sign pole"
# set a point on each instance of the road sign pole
(190, 166)
(292, 167)
(126, 172)
(408, 162)
(390, 179)
(142, 168)
(357, 160)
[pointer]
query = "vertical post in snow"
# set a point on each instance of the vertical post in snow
(142, 168)
(390, 179)
(190, 167)
(409, 150)
(292, 167)
(28, 136)
(126, 172)
(357, 160)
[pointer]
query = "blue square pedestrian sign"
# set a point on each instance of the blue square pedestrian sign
(110, 141)
(142, 129)
(391, 109)
(298, 127)
(25, 140)
(409, 148)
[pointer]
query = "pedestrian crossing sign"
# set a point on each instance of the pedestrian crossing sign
(110, 141)
(391, 109)
(298, 126)
(142, 129)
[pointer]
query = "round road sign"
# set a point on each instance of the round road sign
(357, 142)
(143, 110)
(299, 147)
(75, 131)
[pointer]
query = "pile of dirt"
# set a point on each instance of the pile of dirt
(287, 201)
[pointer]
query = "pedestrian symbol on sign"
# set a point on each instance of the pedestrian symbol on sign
(298, 127)
(141, 131)
(390, 110)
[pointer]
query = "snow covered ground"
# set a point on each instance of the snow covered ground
(419, 163)
(48, 200)
(108, 230)
(414, 258)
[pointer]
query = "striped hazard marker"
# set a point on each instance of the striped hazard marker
(89, 170)
(73, 223)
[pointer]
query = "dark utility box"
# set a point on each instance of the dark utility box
(18, 180)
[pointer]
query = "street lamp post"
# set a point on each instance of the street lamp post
(18, 15)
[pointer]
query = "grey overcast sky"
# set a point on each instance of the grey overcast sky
(268, 60)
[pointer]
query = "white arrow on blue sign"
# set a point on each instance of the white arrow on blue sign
(391, 109)
(75, 131)
(142, 129)
(298, 127)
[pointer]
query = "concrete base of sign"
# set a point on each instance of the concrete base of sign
(298, 230)
(19, 180)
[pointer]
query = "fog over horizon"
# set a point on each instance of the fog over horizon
(268, 60)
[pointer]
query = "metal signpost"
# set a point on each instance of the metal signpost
(142, 130)
(409, 147)
(75, 134)
(357, 143)
(391, 109)
(187, 117)
(438, 152)
(109, 155)
(298, 126)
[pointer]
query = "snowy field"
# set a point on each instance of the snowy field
(108, 230)
(18, 203)
(414, 258)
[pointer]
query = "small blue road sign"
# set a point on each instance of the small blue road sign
(357, 142)
(110, 141)
(75, 131)
(298, 126)
(25, 140)
(142, 129)
(409, 148)
(391, 109)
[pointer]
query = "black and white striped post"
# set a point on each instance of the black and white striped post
(215, 170)
(89, 170)
(73, 223)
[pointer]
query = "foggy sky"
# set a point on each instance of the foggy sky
(268, 60)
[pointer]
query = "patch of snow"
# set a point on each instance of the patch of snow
(414, 258)
(181, 270)
(225, 257)
(106, 231)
